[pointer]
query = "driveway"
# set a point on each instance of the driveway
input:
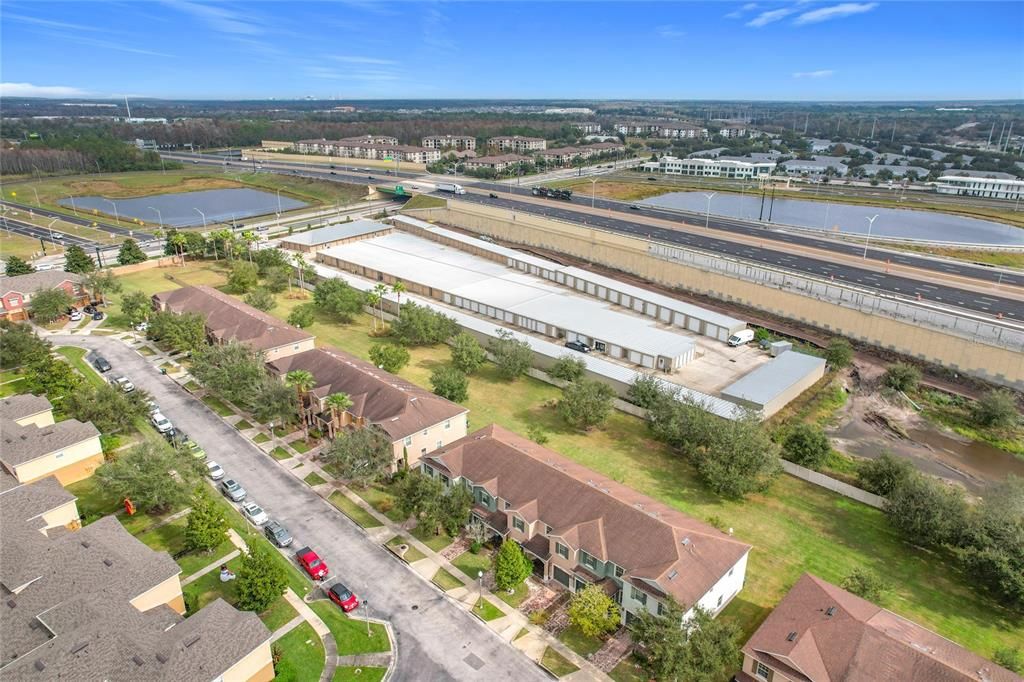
(436, 639)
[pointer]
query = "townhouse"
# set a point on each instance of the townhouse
(582, 529)
(499, 163)
(820, 632)
(95, 603)
(228, 319)
(34, 446)
(518, 144)
(416, 421)
(462, 142)
(16, 292)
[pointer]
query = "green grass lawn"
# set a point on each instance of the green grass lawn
(486, 610)
(628, 671)
(20, 246)
(76, 356)
(191, 385)
(378, 497)
(446, 581)
(579, 642)
(260, 438)
(518, 596)
(350, 632)
(145, 350)
(9, 375)
(14, 387)
(556, 663)
(170, 538)
(348, 674)
(411, 553)
(280, 453)
(302, 656)
(471, 564)
(300, 446)
(209, 588)
(242, 425)
(282, 431)
(352, 510)
(314, 479)
(434, 541)
(218, 406)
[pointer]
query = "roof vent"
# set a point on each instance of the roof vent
(673, 574)
(80, 647)
(11, 603)
(161, 657)
(137, 660)
(830, 611)
(685, 541)
(192, 640)
(791, 636)
(85, 543)
(40, 666)
(34, 625)
(108, 562)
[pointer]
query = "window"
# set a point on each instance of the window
(518, 524)
(661, 609)
(423, 451)
(438, 445)
(485, 498)
(561, 550)
(638, 595)
(447, 424)
(425, 431)
(547, 529)
(619, 571)
(588, 561)
(761, 670)
(428, 470)
(508, 505)
(720, 599)
(408, 440)
(59, 455)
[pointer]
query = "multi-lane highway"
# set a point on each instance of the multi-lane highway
(72, 219)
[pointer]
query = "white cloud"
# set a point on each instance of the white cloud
(32, 90)
(845, 9)
(737, 13)
(49, 23)
(219, 18)
(821, 73)
(349, 59)
(770, 17)
(670, 31)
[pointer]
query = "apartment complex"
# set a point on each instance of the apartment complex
(820, 632)
(668, 129)
(733, 130)
(710, 168)
(416, 420)
(518, 144)
(16, 292)
(582, 529)
(228, 319)
(566, 155)
(499, 163)
(587, 127)
(449, 142)
(683, 131)
(637, 127)
(95, 603)
(34, 446)
(369, 148)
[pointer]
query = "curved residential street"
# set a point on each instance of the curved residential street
(436, 640)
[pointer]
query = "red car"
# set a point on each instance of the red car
(343, 597)
(312, 563)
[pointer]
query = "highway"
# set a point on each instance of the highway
(69, 218)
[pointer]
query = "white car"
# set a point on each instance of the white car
(142, 326)
(124, 383)
(75, 316)
(214, 471)
(162, 423)
(255, 513)
(152, 407)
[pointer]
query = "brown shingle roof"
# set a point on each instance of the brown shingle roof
(228, 319)
(34, 281)
(822, 632)
(589, 511)
(18, 407)
(20, 444)
(398, 407)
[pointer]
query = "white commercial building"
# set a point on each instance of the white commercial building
(711, 168)
(980, 187)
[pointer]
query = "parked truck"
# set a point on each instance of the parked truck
(450, 187)
(563, 194)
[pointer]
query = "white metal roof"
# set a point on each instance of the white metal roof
(766, 382)
(337, 231)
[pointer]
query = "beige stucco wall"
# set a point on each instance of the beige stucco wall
(168, 592)
(69, 465)
(630, 255)
(428, 438)
(42, 419)
(64, 515)
(376, 164)
(257, 666)
(290, 349)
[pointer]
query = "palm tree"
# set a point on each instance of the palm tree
(302, 381)
(398, 288)
(300, 264)
(225, 238)
(372, 299)
(178, 242)
(338, 403)
(249, 238)
(381, 290)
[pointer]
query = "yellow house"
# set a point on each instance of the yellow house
(34, 446)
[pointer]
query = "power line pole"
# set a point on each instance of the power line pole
(873, 122)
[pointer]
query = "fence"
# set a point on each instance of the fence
(844, 489)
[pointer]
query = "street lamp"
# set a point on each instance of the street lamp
(202, 214)
(116, 218)
(279, 204)
(593, 191)
(366, 615)
(49, 228)
(37, 197)
(707, 217)
(73, 209)
(871, 223)
(158, 215)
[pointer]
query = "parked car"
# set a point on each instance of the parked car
(142, 326)
(741, 337)
(191, 448)
(232, 490)
(89, 309)
(577, 346)
(123, 383)
(152, 407)
(492, 195)
(75, 316)
(652, 178)
(162, 423)
(343, 597)
(311, 563)
(71, 309)
(214, 471)
(277, 533)
(101, 364)
(255, 513)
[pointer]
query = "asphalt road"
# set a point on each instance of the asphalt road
(436, 639)
(36, 232)
(70, 218)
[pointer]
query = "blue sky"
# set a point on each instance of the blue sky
(803, 50)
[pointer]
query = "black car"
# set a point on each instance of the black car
(371, 177)
(493, 195)
(101, 364)
(652, 179)
(97, 315)
(577, 346)
(277, 533)
(89, 309)
(333, 173)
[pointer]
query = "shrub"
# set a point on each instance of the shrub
(839, 353)
(243, 277)
(511, 565)
(512, 356)
(537, 434)
(1010, 658)
(467, 354)
(389, 357)
(593, 612)
(883, 475)
(568, 368)
(995, 409)
(302, 316)
(261, 299)
(927, 512)
(586, 403)
(902, 377)
(864, 584)
(450, 383)
(806, 445)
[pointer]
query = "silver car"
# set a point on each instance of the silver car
(232, 490)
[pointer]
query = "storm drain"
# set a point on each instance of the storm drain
(474, 661)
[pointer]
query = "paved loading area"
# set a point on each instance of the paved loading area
(435, 639)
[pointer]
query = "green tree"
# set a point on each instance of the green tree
(389, 357)
(243, 277)
(467, 354)
(260, 298)
(807, 445)
(268, 259)
(417, 493)
(276, 279)
(995, 409)
(152, 474)
(864, 584)
(926, 512)
(593, 612)
(646, 392)
(992, 549)
(901, 376)
(77, 260)
(337, 403)
(207, 525)
(885, 474)
(232, 371)
(701, 650)
(302, 316)
(512, 356)
(136, 307)
(450, 383)
(19, 345)
(109, 408)
(422, 326)
(740, 458)
(15, 266)
(586, 403)
(53, 378)
(450, 512)
(274, 402)
(302, 382)
(839, 353)
(185, 332)
(130, 253)
(568, 368)
(100, 282)
(48, 305)
(1010, 658)
(360, 456)
(261, 580)
(511, 565)
(336, 297)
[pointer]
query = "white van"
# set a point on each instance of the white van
(741, 337)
